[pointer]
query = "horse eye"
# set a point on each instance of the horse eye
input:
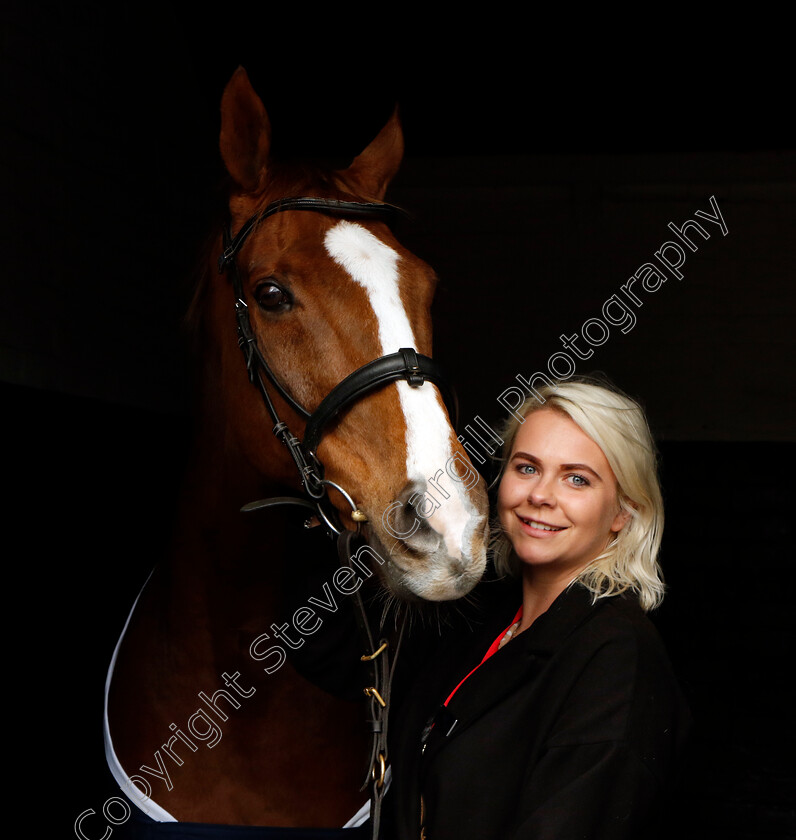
(270, 296)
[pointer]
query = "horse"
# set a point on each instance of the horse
(307, 299)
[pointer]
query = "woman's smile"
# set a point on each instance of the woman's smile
(534, 525)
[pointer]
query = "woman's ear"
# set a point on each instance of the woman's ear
(624, 516)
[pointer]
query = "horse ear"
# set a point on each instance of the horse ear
(245, 139)
(375, 167)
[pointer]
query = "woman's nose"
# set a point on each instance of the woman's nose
(541, 492)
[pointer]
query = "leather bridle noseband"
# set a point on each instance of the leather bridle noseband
(407, 364)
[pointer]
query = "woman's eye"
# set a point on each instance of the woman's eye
(270, 296)
(579, 480)
(526, 469)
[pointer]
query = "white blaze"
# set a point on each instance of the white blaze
(374, 266)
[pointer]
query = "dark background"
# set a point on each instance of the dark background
(544, 162)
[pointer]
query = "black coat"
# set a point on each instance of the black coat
(571, 731)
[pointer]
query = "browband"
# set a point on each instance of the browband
(331, 206)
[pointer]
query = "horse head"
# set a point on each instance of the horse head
(324, 294)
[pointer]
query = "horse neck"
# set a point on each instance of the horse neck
(224, 567)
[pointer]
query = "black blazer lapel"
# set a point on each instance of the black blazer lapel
(517, 663)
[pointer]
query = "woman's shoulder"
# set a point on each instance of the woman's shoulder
(618, 616)
(621, 617)
(610, 641)
(620, 683)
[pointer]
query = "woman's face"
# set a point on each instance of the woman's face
(558, 501)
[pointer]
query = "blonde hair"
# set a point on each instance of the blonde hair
(618, 425)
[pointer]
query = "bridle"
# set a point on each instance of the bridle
(407, 364)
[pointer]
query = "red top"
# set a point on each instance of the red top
(492, 648)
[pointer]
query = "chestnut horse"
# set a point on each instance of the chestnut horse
(206, 719)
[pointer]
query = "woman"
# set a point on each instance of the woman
(559, 718)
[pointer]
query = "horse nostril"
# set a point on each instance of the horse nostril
(412, 488)
(405, 518)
